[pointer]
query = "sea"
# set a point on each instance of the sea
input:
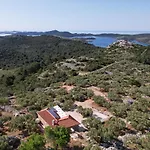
(106, 41)
(103, 41)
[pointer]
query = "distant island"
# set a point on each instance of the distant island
(144, 38)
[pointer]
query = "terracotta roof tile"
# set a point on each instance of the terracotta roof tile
(46, 116)
(68, 122)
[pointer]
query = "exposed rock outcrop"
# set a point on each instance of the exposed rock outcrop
(122, 43)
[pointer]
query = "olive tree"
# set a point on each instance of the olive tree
(34, 142)
(59, 136)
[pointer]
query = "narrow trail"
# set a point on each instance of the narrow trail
(117, 62)
(86, 73)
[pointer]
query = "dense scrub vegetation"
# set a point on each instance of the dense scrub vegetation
(23, 50)
(31, 71)
(99, 132)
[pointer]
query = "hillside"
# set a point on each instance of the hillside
(22, 50)
(44, 71)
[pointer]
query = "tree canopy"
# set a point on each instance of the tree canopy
(34, 142)
(59, 136)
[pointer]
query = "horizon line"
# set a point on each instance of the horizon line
(85, 31)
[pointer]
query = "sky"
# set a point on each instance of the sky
(75, 15)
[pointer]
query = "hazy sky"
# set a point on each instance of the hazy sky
(75, 15)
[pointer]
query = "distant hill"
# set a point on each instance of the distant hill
(53, 32)
(145, 38)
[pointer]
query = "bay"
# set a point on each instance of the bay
(106, 41)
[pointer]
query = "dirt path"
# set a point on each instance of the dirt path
(86, 104)
(98, 111)
(14, 133)
(116, 62)
(97, 91)
(7, 114)
(83, 73)
(86, 73)
(68, 87)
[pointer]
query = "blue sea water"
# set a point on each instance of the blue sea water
(140, 43)
(102, 41)
(106, 41)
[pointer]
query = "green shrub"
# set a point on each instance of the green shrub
(101, 101)
(86, 112)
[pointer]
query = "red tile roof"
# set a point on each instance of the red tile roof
(65, 122)
(47, 117)
(68, 122)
